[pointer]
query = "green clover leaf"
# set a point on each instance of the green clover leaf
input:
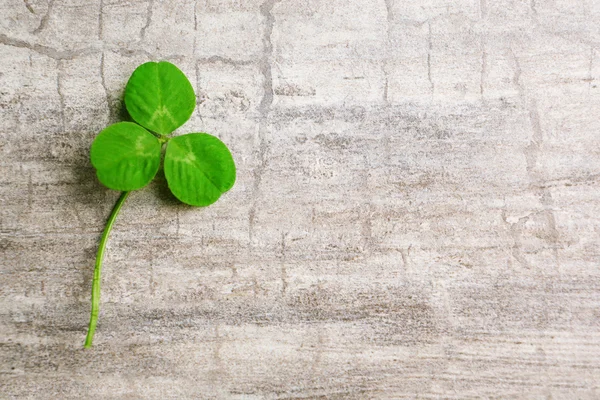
(159, 97)
(126, 156)
(199, 167)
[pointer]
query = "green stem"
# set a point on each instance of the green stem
(98, 269)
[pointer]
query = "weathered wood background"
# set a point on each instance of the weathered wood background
(417, 211)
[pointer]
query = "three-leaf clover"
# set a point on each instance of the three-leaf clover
(198, 167)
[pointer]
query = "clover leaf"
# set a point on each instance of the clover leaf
(199, 167)
(159, 97)
(126, 156)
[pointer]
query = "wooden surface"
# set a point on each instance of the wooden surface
(416, 213)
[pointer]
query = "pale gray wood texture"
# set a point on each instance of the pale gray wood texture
(416, 213)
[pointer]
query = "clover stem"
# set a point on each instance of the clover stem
(163, 139)
(98, 268)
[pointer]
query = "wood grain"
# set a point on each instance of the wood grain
(416, 213)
